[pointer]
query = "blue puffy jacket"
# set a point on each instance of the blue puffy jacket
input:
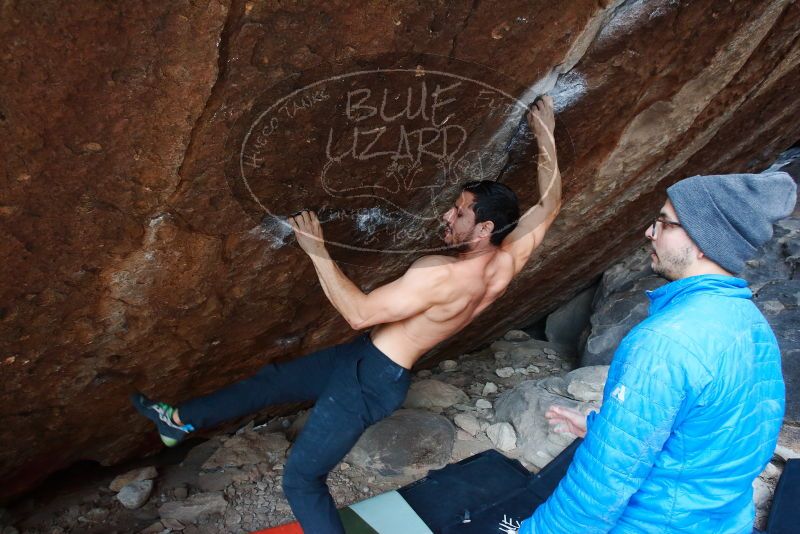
(691, 413)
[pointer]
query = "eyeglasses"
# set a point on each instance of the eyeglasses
(665, 223)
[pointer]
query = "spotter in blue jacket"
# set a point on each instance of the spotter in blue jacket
(691, 413)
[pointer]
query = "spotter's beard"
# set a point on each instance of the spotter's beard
(672, 266)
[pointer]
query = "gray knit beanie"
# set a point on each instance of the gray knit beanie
(730, 215)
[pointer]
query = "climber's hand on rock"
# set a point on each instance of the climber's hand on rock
(565, 419)
(541, 119)
(308, 232)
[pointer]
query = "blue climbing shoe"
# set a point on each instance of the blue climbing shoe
(161, 414)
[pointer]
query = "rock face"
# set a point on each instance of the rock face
(616, 315)
(142, 160)
(779, 301)
(566, 324)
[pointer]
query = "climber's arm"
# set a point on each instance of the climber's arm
(535, 222)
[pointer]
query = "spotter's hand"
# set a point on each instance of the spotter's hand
(541, 118)
(564, 419)
(308, 232)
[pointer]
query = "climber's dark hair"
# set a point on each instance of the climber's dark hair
(497, 203)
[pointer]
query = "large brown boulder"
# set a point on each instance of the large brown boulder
(141, 166)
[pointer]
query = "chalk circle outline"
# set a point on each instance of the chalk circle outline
(284, 221)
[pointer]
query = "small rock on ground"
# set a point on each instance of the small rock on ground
(483, 404)
(194, 508)
(173, 524)
(143, 473)
(155, 528)
(468, 423)
(761, 493)
(586, 383)
(785, 453)
(448, 366)
(489, 388)
(433, 393)
(505, 372)
(502, 436)
(248, 448)
(135, 494)
(516, 335)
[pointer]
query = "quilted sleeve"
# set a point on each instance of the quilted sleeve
(647, 384)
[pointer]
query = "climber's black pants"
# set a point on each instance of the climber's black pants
(354, 385)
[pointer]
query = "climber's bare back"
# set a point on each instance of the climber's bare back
(466, 287)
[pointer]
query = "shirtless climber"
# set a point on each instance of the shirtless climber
(359, 383)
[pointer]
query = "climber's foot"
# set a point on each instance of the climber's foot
(161, 414)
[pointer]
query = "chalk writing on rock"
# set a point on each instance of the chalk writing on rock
(380, 154)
